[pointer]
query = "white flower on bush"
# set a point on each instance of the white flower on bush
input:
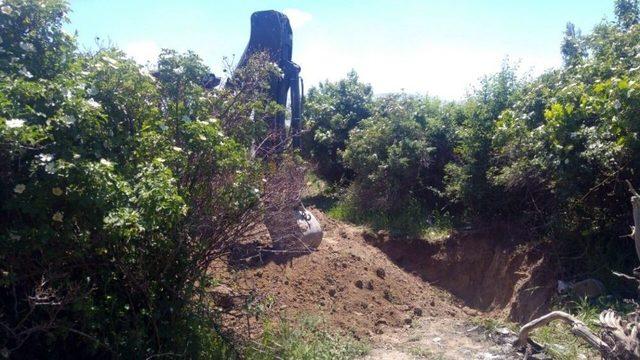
(106, 162)
(14, 237)
(56, 191)
(178, 149)
(50, 168)
(45, 157)
(113, 63)
(145, 72)
(68, 119)
(27, 46)
(15, 123)
(58, 216)
(94, 104)
(179, 70)
(92, 91)
(24, 72)
(7, 10)
(19, 189)
(202, 137)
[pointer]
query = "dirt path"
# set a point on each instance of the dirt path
(442, 338)
(367, 287)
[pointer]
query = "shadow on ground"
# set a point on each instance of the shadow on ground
(490, 269)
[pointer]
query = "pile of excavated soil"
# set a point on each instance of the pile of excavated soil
(367, 285)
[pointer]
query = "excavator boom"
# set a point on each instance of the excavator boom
(290, 226)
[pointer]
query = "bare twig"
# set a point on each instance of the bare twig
(578, 328)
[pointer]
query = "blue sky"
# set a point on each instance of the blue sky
(433, 47)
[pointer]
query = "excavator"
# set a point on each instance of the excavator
(291, 226)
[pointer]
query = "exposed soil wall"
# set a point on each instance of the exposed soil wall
(493, 269)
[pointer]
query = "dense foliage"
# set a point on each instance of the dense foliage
(331, 111)
(397, 157)
(119, 185)
(117, 189)
(551, 153)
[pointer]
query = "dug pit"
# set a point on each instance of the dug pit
(495, 269)
(369, 285)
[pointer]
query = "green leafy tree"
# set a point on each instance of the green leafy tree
(117, 190)
(466, 177)
(332, 110)
(397, 157)
(566, 146)
(627, 13)
(572, 48)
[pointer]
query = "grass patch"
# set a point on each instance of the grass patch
(491, 325)
(340, 204)
(306, 338)
(412, 222)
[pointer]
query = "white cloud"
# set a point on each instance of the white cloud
(297, 17)
(143, 51)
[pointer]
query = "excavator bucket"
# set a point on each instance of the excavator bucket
(311, 229)
(294, 231)
(290, 225)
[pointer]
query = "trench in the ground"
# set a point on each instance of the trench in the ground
(492, 270)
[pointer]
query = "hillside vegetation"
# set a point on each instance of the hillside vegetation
(550, 153)
(120, 184)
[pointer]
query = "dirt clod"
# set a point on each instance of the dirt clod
(417, 311)
(359, 284)
(388, 296)
(381, 273)
(223, 296)
(381, 322)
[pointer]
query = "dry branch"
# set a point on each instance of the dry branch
(578, 328)
(619, 338)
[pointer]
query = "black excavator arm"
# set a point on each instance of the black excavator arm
(291, 226)
(271, 33)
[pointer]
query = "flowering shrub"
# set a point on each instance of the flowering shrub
(117, 189)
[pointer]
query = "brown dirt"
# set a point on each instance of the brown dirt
(371, 287)
(494, 270)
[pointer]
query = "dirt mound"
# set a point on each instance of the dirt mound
(369, 290)
(349, 282)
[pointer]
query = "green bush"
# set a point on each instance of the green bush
(331, 111)
(387, 156)
(117, 189)
(397, 157)
(466, 176)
